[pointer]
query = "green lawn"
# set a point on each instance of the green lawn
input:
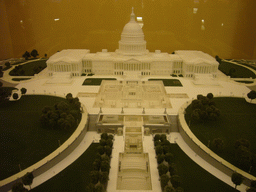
(95, 81)
(20, 79)
(22, 139)
(237, 120)
(75, 177)
(30, 68)
(195, 178)
(235, 71)
(169, 82)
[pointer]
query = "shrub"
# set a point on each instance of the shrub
(105, 166)
(242, 142)
(99, 188)
(108, 150)
(111, 137)
(164, 180)
(94, 177)
(157, 142)
(209, 96)
(169, 188)
(163, 137)
(157, 137)
(162, 169)
(103, 142)
(105, 158)
(96, 165)
(18, 187)
(160, 158)
(104, 136)
(15, 96)
(176, 181)
(173, 169)
(159, 150)
(109, 143)
(169, 157)
(166, 149)
(104, 177)
(217, 145)
(237, 178)
(179, 189)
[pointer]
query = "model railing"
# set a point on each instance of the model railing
(54, 158)
(204, 152)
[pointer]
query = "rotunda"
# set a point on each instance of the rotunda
(132, 39)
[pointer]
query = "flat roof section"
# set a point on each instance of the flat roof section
(132, 94)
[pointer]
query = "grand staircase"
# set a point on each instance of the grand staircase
(133, 171)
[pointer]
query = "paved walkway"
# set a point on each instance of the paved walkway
(86, 142)
(119, 147)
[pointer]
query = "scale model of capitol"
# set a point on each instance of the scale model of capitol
(132, 59)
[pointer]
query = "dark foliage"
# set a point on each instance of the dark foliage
(160, 158)
(252, 95)
(169, 157)
(169, 188)
(27, 179)
(26, 55)
(15, 96)
(18, 187)
(159, 150)
(104, 136)
(237, 178)
(217, 145)
(162, 169)
(164, 180)
(63, 115)
(203, 108)
(173, 169)
(242, 142)
(176, 181)
(5, 95)
(34, 53)
(23, 91)
(94, 177)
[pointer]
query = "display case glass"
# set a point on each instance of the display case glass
(218, 27)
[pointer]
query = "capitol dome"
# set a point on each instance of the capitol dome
(132, 39)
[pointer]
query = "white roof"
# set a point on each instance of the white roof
(68, 56)
(113, 56)
(196, 57)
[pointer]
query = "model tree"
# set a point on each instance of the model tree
(7, 65)
(176, 181)
(252, 95)
(28, 179)
(164, 180)
(15, 96)
(217, 145)
(34, 53)
(23, 90)
(237, 179)
(169, 188)
(26, 55)
(162, 169)
(18, 187)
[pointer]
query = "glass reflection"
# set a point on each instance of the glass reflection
(225, 27)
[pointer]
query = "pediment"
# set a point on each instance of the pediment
(132, 61)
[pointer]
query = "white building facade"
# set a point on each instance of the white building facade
(132, 58)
